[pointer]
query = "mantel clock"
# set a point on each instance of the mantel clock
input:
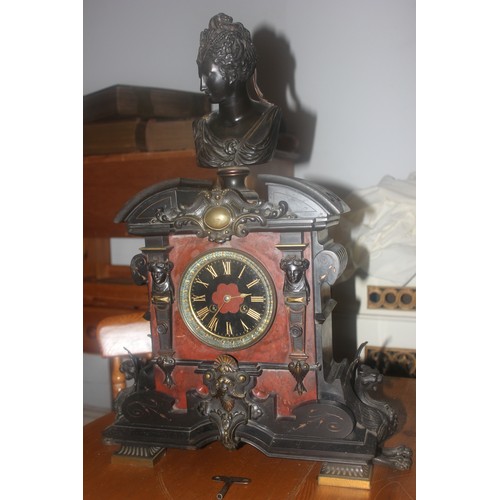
(239, 287)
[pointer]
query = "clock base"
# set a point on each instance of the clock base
(319, 430)
(279, 440)
(344, 428)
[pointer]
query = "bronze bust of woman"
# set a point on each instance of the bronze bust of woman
(243, 131)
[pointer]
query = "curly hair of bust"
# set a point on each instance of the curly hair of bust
(230, 46)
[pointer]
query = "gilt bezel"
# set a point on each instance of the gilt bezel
(196, 326)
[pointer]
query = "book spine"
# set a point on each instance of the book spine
(127, 101)
(126, 136)
(171, 135)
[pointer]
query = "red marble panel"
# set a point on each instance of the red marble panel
(275, 347)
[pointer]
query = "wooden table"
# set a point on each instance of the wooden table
(187, 475)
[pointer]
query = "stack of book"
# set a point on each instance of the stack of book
(128, 118)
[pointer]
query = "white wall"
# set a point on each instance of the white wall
(353, 75)
(354, 69)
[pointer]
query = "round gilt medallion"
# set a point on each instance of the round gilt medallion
(217, 218)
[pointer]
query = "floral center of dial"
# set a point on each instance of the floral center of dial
(228, 298)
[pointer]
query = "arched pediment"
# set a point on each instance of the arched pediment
(169, 194)
(305, 198)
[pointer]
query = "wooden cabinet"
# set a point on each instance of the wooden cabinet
(109, 181)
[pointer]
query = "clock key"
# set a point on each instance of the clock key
(229, 480)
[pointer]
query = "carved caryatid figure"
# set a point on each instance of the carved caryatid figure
(295, 276)
(242, 131)
(162, 284)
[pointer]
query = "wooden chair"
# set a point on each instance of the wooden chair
(117, 334)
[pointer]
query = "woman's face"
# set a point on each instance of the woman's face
(212, 81)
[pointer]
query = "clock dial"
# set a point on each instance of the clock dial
(227, 299)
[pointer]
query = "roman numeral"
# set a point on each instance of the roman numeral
(256, 298)
(198, 298)
(245, 327)
(241, 272)
(212, 271)
(203, 313)
(229, 329)
(212, 325)
(253, 283)
(226, 264)
(198, 280)
(254, 314)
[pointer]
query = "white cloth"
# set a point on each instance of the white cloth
(381, 227)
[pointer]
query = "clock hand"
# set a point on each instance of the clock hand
(218, 310)
(227, 298)
(212, 324)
